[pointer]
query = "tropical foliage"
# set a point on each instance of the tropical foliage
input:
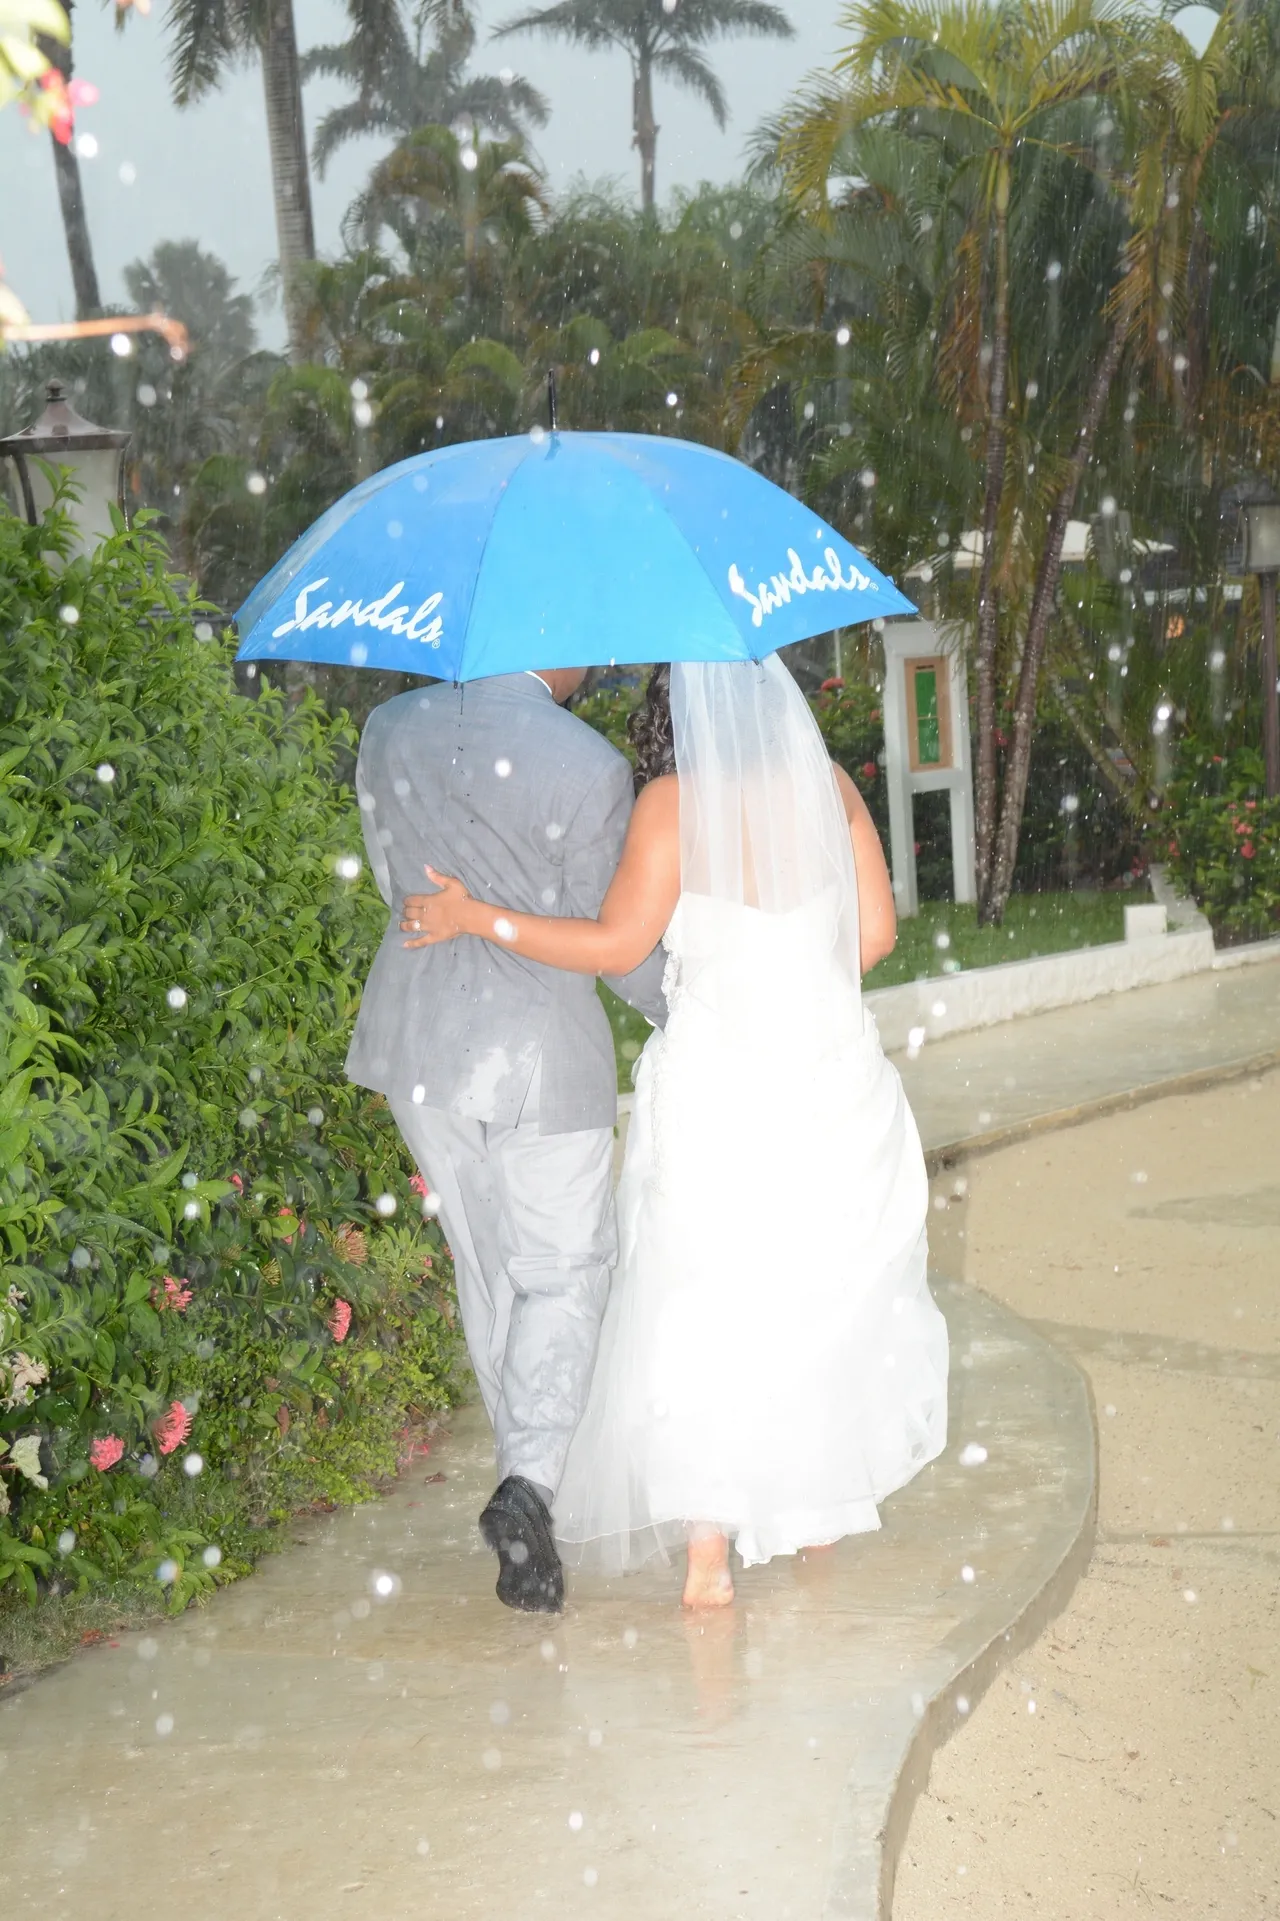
(1042, 225)
(221, 1299)
(1000, 273)
(23, 64)
(1224, 840)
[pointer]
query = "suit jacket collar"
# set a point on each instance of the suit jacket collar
(527, 684)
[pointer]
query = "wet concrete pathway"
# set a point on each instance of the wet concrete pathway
(361, 1730)
(310, 1745)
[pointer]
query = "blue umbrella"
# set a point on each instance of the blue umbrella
(560, 550)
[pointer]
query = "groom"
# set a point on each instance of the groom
(500, 1072)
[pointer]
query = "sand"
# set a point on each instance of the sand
(1129, 1763)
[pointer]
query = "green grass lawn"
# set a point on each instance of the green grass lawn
(944, 939)
(630, 1032)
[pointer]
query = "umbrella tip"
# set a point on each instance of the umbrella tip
(552, 411)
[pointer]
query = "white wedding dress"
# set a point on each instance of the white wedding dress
(771, 1360)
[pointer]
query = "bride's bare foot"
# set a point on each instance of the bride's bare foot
(708, 1583)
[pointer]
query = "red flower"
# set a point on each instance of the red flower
(1251, 804)
(236, 1182)
(175, 1296)
(868, 770)
(915, 846)
(340, 1320)
(63, 101)
(418, 1185)
(173, 1427)
(830, 686)
(104, 1453)
(1002, 740)
(1247, 850)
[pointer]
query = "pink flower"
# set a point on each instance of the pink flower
(175, 1296)
(831, 686)
(340, 1320)
(418, 1186)
(1251, 804)
(82, 93)
(868, 770)
(236, 1182)
(1247, 850)
(285, 1216)
(172, 1428)
(106, 1452)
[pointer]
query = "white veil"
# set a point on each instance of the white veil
(761, 821)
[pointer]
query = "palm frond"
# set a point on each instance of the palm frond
(689, 69)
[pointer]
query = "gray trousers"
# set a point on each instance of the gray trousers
(530, 1220)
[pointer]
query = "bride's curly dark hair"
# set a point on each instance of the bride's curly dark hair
(650, 731)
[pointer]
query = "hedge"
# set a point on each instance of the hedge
(221, 1300)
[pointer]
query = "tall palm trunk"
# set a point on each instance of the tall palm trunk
(286, 139)
(988, 597)
(84, 275)
(644, 128)
(1014, 797)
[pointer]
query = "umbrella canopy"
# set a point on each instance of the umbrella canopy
(560, 550)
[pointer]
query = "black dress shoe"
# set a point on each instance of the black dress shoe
(517, 1526)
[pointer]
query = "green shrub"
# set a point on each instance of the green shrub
(215, 1264)
(1224, 840)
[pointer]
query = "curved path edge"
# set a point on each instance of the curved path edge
(992, 1651)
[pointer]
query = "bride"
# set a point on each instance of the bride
(771, 1362)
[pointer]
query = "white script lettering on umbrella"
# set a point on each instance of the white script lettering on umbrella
(777, 591)
(366, 613)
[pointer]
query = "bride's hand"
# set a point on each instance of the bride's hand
(435, 917)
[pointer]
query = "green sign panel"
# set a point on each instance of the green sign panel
(928, 721)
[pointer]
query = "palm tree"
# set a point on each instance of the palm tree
(409, 80)
(84, 274)
(662, 37)
(996, 86)
(209, 36)
(441, 196)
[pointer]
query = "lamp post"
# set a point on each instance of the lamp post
(1262, 557)
(94, 455)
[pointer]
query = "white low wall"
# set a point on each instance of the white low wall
(953, 1003)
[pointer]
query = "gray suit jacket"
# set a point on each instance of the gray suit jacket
(493, 782)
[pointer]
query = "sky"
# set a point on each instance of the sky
(161, 174)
